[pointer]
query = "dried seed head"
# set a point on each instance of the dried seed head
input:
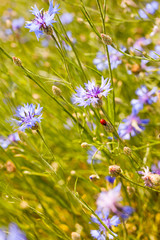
(114, 170)
(17, 61)
(106, 39)
(127, 151)
(75, 236)
(56, 91)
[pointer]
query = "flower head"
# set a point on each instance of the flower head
(14, 233)
(101, 234)
(101, 61)
(150, 9)
(66, 18)
(91, 94)
(17, 23)
(156, 169)
(145, 97)
(43, 20)
(140, 43)
(5, 142)
(110, 179)
(28, 116)
(146, 176)
(131, 126)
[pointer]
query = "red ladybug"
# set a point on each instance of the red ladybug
(103, 122)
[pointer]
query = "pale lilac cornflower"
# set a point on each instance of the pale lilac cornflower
(102, 233)
(5, 142)
(146, 176)
(131, 126)
(140, 44)
(14, 233)
(109, 201)
(156, 169)
(144, 97)
(43, 20)
(101, 61)
(66, 18)
(17, 23)
(150, 8)
(93, 151)
(73, 40)
(92, 93)
(28, 116)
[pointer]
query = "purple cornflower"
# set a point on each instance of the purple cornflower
(156, 169)
(140, 43)
(109, 201)
(28, 116)
(101, 61)
(92, 94)
(110, 179)
(146, 176)
(17, 23)
(102, 233)
(42, 19)
(132, 125)
(66, 18)
(73, 40)
(5, 142)
(150, 9)
(14, 233)
(144, 97)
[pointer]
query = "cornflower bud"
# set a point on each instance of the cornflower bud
(106, 39)
(75, 236)
(127, 151)
(93, 177)
(84, 145)
(114, 170)
(56, 91)
(17, 61)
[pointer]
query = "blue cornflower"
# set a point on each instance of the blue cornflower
(110, 179)
(92, 94)
(156, 169)
(101, 61)
(145, 97)
(5, 142)
(150, 9)
(28, 116)
(109, 201)
(17, 23)
(42, 19)
(66, 18)
(14, 233)
(140, 43)
(73, 40)
(132, 125)
(101, 234)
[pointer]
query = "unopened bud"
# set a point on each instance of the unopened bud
(56, 91)
(84, 145)
(10, 167)
(154, 179)
(93, 177)
(114, 170)
(17, 61)
(106, 39)
(75, 236)
(127, 151)
(48, 30)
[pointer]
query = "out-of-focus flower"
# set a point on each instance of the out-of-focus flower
(14, 233)
(66, 18)
(28, 116)
(110, 179)
(92, 94)
(73, 40)
(140, 44)
(150, 179)
(43, 20)
(132, 125)
(144, 97)
(5, 142)
(102, 233)
(154, 30)
(109, 201)
(17, 23)
(101, 61)
(94, 152)
(150, 8)
(156, 169)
